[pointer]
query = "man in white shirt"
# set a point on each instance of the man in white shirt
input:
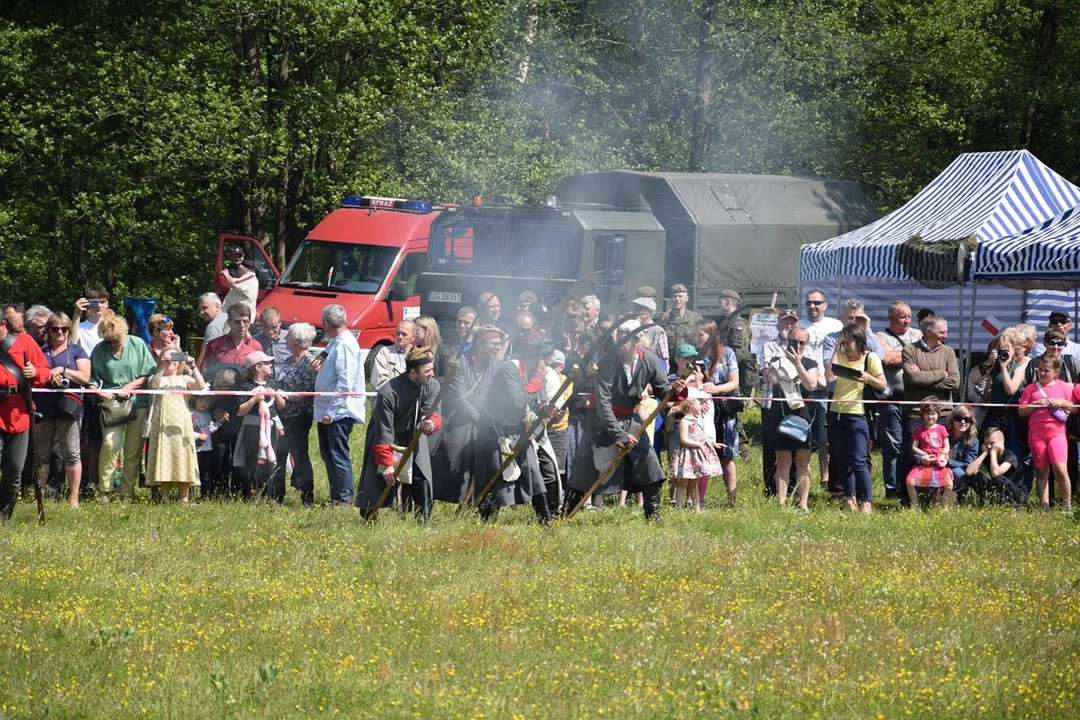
(818, 325)
(94, 302)
(390, 359)
(342, 372)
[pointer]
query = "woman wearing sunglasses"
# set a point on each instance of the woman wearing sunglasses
(59, 426)
(964, 448)
(162, 336)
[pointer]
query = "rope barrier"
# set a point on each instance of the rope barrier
(327, 393)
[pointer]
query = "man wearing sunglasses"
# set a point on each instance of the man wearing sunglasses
(818, 326)
(1060, 320)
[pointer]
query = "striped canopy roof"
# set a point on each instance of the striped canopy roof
(1047, 255)
(986, 195)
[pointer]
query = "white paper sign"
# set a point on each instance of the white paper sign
(762, 330)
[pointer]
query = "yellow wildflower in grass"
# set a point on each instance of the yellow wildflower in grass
(225, 609)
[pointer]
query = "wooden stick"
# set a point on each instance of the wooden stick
(627, 447)
(407, 455)
(525, 438)
(520, 446)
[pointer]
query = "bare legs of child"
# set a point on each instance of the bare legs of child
(1064, 486)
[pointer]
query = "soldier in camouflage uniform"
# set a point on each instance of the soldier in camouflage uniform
(736, 332)
(736, 329)
(680, 323)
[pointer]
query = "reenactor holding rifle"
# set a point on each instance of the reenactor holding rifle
(611, 425)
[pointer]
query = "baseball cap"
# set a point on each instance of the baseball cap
(255, 358)
(686, 350)
(1060, 315)
(785, 314)
(557, 358)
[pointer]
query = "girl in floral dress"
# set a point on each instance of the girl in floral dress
(694, 459)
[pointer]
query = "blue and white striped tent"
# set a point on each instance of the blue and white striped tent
(988, 196)
(1046, 256)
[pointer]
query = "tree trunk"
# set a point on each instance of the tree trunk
(1046, 43)
(703, 88)
(531, 21)
(642, 81)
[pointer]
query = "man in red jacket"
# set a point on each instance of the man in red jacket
(22, 362)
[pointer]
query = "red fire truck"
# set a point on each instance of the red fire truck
(365, 256)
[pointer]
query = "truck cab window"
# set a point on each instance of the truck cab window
(540, 246)
(467, 242)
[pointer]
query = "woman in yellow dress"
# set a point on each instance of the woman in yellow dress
(171, 460)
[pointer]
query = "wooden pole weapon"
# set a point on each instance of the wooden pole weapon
(406, 456)
(625, 448)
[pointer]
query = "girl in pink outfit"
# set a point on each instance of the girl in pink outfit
(1047, 404)
(694, 458)
(930, 449)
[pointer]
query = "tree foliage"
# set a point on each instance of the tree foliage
(133, 131)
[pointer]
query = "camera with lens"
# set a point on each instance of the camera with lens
(1002, 355)
(64, 383)
(180, 357)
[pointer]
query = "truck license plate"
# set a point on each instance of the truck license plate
(444, 297)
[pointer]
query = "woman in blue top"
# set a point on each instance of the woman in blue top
(963, 448)
(721, 378)
(59, 427)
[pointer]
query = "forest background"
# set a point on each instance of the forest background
(133, 131)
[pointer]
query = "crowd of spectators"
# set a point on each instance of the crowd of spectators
(829, 386)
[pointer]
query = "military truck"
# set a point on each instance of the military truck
(708, 232)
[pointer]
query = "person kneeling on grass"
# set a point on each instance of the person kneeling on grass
(1045, 403)
(930, 457)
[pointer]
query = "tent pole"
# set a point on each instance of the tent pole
(960, 314)
(971, 340)
(960, 319)
(1076, 311)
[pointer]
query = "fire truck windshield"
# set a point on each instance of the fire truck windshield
(344, 267)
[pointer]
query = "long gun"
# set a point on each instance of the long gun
(526, 437)
(406, 456)
(625, 448)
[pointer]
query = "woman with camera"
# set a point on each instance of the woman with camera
(241, 280)
(61, 414)
(1006, 370)
(162, 337)
(171, 462)
(792, 378)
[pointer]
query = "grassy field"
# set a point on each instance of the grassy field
(230, 610)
